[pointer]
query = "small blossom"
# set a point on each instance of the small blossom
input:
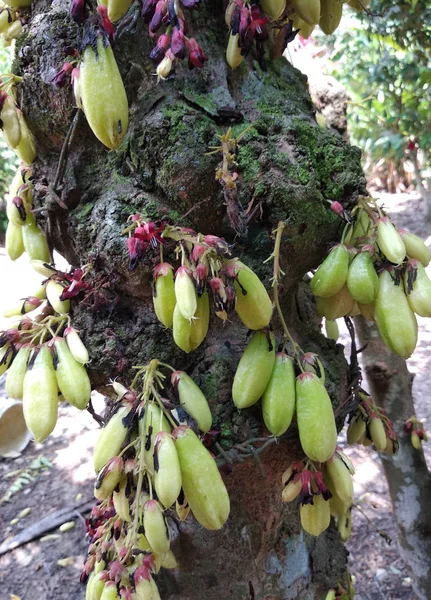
(106, 22)
(159, 50)
(60, 79)
(178, 45)
(197, 57)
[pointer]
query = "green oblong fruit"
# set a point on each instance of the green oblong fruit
(189, 335)
(153, 421)
(116, 8)
(315, 518)
(337, 472)
(167, 476)
(390, 241)
(331, 12)
(338, 305)
(419, 296)
(54, 291)
(362, 279)
(164, 294)
(202, 483)
(253, 304)
(234, 57)
(156, 529)
(112, 436)
(331, 276)
(14, 241)
(394, 318)
(72, 377)
(103, 95)
(254, 370)
(39, 398)
(332, 331)
(273, 8)
(415, 247)
(192, 400)
(34, 241)
(278, 400)
(16, 373)
(315, 416)
(308, 10)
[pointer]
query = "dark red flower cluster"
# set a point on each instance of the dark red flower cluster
(146, 234)
(166, 13)
(250, 24)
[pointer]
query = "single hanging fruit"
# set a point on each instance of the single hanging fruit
(418, 288)
(102, 91)
(315, 518)
(332, 331)
(116, 8)
(192, 400)
(14, 241)
(156, 528)
(16, 372)
(254, 370)
(40, 395)
(112, 436)
(72, 377)
(234, 56)
(153, 421)
(331, 12)
(278, 400)
(164, 294)
(76, 346)
(167, 477)
(395, 319)
(362, 279)
(390, 242)
(336, 306)
(331, 276)
(34, 241)
(316, 422)
(415, 247)
(185, 293)
(189, 335)
(273, 8)
(253, 305)
(340, 478)
(202, 483)
(308, 10)
(54, 291)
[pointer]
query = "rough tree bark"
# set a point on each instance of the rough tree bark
(288, 168)
(407, 474)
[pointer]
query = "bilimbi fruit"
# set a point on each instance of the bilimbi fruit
(17, 371)
(395, 319)
(164, 294)
(101, 89)
(418, 288)
(72, 377)
(40, 391)
(192, 400)
(116, 8)
(278, 400)
(330, 15)
(111, 437)
(362, 279)
(415, 247)
(316, 422)
(390, 241)
(202, 483)
(308, 10)
(253, 305)
(331, 276)
(185, 293)
(315, 518)
(167, 476)
(254, 370)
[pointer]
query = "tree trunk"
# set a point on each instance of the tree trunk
(408, 477)
(288, 168)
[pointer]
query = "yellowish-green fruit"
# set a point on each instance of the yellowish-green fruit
(254, 370)
(359, 4)
(40, 404)
(26, 149)
(103, 95)
(192, 400)
(331, 276)
(315, 518)
(330, 17)
(308, 10)
(341, 479)
(16, 373)
(306, 30)
(395, 319)
(253, 304)
(164, 294)
(278, 400)
(418, 288)
(362, 279)
(152, 422)
(111, 437)
(34, 241)
(167, 476)
(315, 417)
(7, 16)
(233, 52)
(10, 122)
(367, 310)
(188, 335)
(72, 377)
(332, 331)
(54, 291)
(357, 430)
(156, 529)
(18, 3)
(390, 241)
(14, 241)
(273, 8)
(344, 525)
(415, 247)
(337, 306)
(116, 8)
(185, 293)
(109, 591)
(202, 483)
(378, 434)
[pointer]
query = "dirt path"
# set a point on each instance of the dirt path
(33, 573)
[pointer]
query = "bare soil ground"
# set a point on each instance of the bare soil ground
(33, 572)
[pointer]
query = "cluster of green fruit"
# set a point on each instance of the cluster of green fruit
(417, 432)
(322, 490)
(148, 463)
(23, 234)
(207, 271)
(369, 424)
(12, 19)
(377, 271)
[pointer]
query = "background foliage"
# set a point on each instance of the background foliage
(383, 58)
